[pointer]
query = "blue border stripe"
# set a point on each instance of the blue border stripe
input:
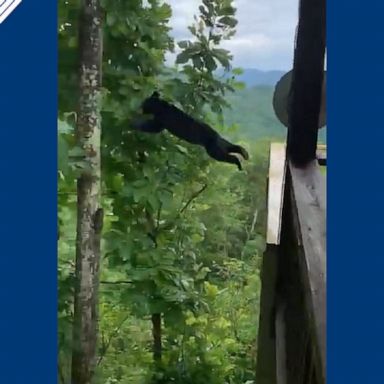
(28, 253)
(355, 193)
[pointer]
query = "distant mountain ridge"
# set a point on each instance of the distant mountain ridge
(252, 77)
(252, 110)
(255, 77)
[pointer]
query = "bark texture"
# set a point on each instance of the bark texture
(89, 212)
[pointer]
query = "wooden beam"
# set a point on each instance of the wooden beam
(266, 343)
(308, 202)
(290, 291)
(276, 179)
(307, 82)
(281, 353)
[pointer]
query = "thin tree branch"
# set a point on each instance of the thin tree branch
(193, 197)
(254, 222)
(151, 228)
(249, 232)
(117, 282)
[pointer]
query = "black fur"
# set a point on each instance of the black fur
(167, 116)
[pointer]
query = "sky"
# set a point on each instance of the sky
(265, 32)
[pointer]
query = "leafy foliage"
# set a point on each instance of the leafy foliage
(182, 235)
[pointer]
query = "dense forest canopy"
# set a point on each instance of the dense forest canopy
(178, 290)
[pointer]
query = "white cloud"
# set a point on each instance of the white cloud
(265, 33)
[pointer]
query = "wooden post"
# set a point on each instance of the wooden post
(266, 357)
(307, 81)
(308, 205)
(281, 351)
(292, 327)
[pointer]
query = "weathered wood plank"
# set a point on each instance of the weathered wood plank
(290, 291)
(266, 347)
(266, 357)
(276, 179)
(308, 198)
(281, 354)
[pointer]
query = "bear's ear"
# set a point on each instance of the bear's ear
(155, 95)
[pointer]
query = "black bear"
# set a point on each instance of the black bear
(167, 116)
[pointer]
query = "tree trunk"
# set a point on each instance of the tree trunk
(156, 331)
(89, 213)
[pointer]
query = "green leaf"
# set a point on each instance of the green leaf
(227, 10)
(210, 63)
(197, 62)
(237, 71)
(111, 19)
(166, 199)
(183, 57)
(182, 149)
(154, 203)
(202, 273)
(229, 21)
(183, 44)
(63, 150)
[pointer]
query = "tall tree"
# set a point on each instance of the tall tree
(89, 212)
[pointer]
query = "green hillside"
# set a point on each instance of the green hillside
(253, 77)
(252, 111)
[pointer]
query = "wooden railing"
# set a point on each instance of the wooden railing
(292, 327)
